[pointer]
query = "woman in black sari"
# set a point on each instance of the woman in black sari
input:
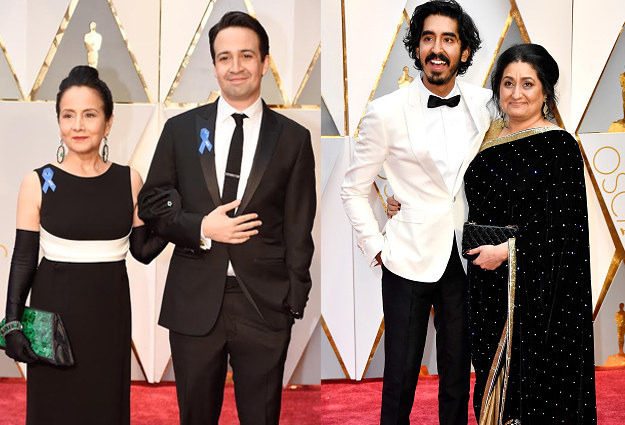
(531, 316)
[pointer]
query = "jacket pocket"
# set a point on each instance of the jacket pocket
(409, 215)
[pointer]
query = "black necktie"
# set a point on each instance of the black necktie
(435, 101)
(233, 166)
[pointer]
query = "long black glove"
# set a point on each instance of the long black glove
(23, 268)
(145, 245)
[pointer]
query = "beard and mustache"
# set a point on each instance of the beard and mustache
(437, 78)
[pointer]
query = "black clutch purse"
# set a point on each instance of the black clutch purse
(474, 235)
(47, 337)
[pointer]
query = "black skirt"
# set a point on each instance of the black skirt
(93, 301)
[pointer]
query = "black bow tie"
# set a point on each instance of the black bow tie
(435, 101)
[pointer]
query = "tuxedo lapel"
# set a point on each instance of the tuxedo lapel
(479, 114)
(205, 119)
(416, 134)
(481, 119)
(268, 136)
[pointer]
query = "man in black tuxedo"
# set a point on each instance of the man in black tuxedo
(232, 184)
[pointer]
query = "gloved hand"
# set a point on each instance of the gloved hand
(145, 245)
(18, 348)
(159, 203)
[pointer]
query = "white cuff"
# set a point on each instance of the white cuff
(371, 246)
(205, 243)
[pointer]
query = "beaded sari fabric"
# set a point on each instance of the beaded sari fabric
(531, 322)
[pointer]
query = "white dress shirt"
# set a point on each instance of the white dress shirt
(224, 128)
(449, 133)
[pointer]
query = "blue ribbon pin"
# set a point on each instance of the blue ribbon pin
(206, 144)
(47, 175)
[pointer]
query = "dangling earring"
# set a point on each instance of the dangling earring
(545, 108)
(105, 150)
(60, 153)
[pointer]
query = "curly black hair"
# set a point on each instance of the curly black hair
(83, 75)
(469, 35)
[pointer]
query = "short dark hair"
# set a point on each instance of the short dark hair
(540, 60)
(240, 19)
(86, 76)
(469, 35)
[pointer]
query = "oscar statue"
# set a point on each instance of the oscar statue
(93, 42)
(405, 79)
(619, 126)
(619, 358)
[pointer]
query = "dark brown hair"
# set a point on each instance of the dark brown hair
(538, 58)
(240, 19)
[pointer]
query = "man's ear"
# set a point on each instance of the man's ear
(465, 54)
(265, 64)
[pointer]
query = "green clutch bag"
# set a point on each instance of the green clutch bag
(47, 337)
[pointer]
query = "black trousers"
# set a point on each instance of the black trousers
(257, 355)
(407, 307)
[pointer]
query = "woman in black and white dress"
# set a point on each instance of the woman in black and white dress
(81, 212)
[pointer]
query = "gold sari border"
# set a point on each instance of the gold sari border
(515, 136)
(493, 400)
(510, 321)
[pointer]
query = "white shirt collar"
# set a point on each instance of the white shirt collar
(225, 110)
(425, 92)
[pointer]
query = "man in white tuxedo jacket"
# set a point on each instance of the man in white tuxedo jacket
(423, 136)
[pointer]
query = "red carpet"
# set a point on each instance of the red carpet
(156, 404)
(342, 403)
(348, 403)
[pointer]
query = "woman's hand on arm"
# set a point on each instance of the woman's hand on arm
(392, 207)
